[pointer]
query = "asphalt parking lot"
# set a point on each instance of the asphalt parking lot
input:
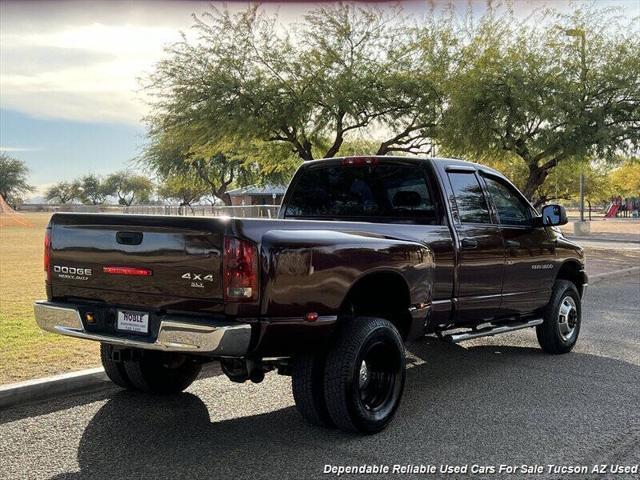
(487, 402)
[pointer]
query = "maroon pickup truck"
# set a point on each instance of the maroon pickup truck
(367, 253)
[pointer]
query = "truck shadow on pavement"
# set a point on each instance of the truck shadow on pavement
(460, 406)
(84, 397)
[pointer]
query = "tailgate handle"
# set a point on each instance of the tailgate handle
(129, 238)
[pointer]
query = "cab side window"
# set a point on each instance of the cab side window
(511, 208)
(469, 198)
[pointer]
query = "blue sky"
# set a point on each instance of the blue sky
(70, 98)
(58, 149)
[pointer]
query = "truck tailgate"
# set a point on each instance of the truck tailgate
(147, 258)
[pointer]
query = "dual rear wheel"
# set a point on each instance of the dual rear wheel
(150, 371)
(357, 384)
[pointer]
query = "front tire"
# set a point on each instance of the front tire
(162, 372)
(562, 318)
(364, 375)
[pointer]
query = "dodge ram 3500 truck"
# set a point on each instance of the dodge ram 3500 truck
(367, 253)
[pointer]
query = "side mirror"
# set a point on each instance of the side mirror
(553, 215)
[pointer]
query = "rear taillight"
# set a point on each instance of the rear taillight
(240, 264)
(47, 254)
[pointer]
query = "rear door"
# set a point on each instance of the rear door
(480, 248)
(529, 266)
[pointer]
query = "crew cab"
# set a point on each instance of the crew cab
(367, 253)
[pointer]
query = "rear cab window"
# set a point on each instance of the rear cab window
(380, 192)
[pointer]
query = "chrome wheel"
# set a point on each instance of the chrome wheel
(364, 375)
(562, 319)
(567, 318)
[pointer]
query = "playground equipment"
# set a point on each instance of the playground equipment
(626, 207)
(612, 210)
(9, 217)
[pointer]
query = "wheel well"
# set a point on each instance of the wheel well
(572, 272)
(381, 294)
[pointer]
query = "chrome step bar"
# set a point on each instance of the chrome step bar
(490, 331)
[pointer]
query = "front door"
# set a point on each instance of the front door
(480, 249)
(528, 274)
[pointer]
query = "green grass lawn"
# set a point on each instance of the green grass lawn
(25, 350)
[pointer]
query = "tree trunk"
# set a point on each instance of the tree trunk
(335, 147)
(536, 178)
(225, 197)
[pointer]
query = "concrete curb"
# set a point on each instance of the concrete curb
(49, 387)
(575, 238)
(602, 276)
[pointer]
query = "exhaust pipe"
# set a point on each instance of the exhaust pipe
(490, 331)
(240, 370)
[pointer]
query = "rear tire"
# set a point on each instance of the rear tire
(562, 318)
(307, 384)
(364, 375)
(161, 372)
(114, 370)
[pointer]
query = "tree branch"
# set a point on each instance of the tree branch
(339, 138)
(403, 138)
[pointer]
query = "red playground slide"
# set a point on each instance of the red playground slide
(613, 209)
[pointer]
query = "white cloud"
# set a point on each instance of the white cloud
(99, 85)
(81, 60)
(18, 149)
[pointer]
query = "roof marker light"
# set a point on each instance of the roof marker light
(357, 161)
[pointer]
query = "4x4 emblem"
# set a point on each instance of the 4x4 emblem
(198, 276)
(197, 279)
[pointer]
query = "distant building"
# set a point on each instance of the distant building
(258, 195)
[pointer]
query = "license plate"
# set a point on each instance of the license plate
(129, 321)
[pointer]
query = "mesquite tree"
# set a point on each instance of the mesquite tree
(13, 178)
(345, 70)
(541, 91)
(553, 89)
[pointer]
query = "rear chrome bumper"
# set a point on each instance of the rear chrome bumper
(224, 339)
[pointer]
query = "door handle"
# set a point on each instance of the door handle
(469, 243)
(512, 244)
